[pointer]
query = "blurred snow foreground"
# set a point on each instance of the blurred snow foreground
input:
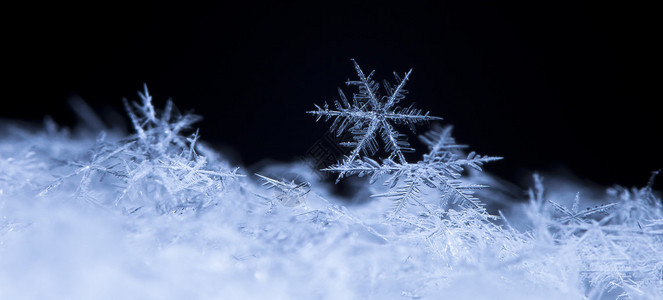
(158, 215)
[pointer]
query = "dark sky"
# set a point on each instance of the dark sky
(543, 84)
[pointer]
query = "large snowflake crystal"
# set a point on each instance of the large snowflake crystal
(370, 113)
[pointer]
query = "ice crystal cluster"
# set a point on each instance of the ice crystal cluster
(370, 113)
(157, 214)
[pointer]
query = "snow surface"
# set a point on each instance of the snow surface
(158, 215)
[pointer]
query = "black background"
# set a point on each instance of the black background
(543, 84)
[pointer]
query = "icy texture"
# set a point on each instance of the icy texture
(156, 215)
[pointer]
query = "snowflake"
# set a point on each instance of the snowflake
(575, 214)
(371, 113)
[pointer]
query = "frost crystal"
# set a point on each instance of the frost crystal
(619, 249)
(287, 193)
(576, 215)
(158, 166)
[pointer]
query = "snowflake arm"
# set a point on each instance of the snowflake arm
(395, 142)
(367, 87)
(405, 194)
(398, 93)
(365, 166)
(439, 142)
(364, 141)
(462, 194)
